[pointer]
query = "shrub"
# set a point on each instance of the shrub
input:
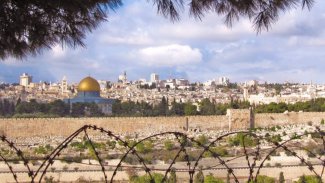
(202, 139)
(309, 179)
(168, 144)
(221, 151)
(111, 144)
(199, 177)
(264, 179)
(157, 177)
(211, 179)
(40, 150)
(241, 139)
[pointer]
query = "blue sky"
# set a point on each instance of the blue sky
(139, 41)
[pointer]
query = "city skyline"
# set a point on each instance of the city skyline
(290, 51)
(148, 79)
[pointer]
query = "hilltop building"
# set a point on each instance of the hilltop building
(64, 85)
(25, 80)
(89, 92)
(154, 78)
(223, 81)
(123, 78)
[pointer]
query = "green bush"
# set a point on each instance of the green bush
(168, 144)
(309, 179)
(111, 144)
(211, 179)
(240, 139)
(157, 177)
(203, 140)
(144, 147)
(221, 151)
(263, 179)
(40, 150)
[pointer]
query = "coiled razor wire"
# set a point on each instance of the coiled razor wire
(182, 140)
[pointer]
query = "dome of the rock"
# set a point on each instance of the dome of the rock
(88, 84)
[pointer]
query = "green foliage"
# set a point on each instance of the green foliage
(87, 145)
(206, 107)
(264, 179)
(275, 138)
(162, 108)
(157, 178)
(309, 179)
(241, 139)
(317, 105)
(78, 145)
(27, 32)
(168, 144)
(211, 179)
(221, 151)
(322, 122)
(203, 140)
(190, 109)
(85, 109)
(144, 147)
(43, 149)
(281, 178)
(228, 178)
(7, 108)
(177, 109)
(111, 144)
(172, 177)
(72, 159)
(184, 141)
(199, 177)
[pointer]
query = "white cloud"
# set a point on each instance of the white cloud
(169, 55)
(58, 51)
(317, 42)
(201, 50)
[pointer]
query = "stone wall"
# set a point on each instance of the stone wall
(271, 119)
(234, 120)
(46, 127)
(239, 119)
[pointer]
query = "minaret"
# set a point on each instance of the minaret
(64, 85)
(246, 94)
(125, 77)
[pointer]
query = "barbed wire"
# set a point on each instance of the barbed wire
(251, 154)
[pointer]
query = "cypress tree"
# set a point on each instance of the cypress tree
(172, 178)
(281, 178)
(199, 177)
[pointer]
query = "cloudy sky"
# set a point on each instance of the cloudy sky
(137, 40)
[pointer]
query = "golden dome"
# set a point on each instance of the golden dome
(88, 84)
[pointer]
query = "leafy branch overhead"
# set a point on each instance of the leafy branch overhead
(29, 26)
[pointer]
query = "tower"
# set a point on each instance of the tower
(246, 94)
(154, 78)
(64, 85)
(25, 80)
(122, 78)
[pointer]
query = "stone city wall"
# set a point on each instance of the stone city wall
(239, 119)
(272, 119)
(119, 125)
(234, 120)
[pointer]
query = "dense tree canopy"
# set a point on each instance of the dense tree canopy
(29, 26)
